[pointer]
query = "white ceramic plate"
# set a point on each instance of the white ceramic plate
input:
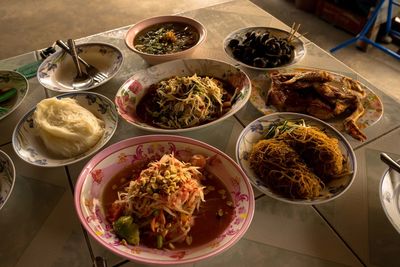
(258, 128)
(58, 71)
(12, 79)
(372, 104)
(29, 146)
(7, 178)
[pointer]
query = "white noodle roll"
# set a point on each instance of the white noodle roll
(66, 128)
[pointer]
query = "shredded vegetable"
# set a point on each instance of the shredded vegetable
(162, 201)
(183, 102)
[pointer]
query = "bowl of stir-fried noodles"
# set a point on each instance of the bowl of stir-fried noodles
(183, 95)
(296, 158)
(163, 199)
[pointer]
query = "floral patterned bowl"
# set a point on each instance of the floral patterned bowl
(58, 71)
(102, 167)
(153, 59)
(259, 127)
(12, 79)
(132, 91)
(7, 178)
(29, 147)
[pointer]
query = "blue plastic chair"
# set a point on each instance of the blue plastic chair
(362, 35)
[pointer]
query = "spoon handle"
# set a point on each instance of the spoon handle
(390, 162)
(74, 55)
(65, 47)
(100, 262)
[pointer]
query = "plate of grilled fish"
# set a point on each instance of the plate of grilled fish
(344, 102)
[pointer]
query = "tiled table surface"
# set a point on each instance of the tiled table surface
(39, 226)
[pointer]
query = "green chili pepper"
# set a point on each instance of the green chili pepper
(160, 241)
(8, 94)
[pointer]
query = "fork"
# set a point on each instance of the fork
(96, 74)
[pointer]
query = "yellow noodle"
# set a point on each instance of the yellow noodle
(281, 169)
(321, 152)
(297, 160)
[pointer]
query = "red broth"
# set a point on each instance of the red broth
(208, 223)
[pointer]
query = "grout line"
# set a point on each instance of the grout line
(338, 235)
(376, 138)
(71, 185)
(121, 263)
(6, 143)
(260, 196)
(240, 122)
(85, 234)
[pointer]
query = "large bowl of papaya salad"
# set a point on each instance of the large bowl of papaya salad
(183, 95)
(164, 199)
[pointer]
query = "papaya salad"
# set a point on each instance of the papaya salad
(183, 102)
(160, 202)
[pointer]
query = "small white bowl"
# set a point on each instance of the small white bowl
(58, 71)
(145, 24)
(133, 90)
(7, 178)
(12, 79)
(256, 131)
(29, 146)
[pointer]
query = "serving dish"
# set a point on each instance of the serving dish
(135, 88)
(57, 72)
(298, 50)
(107, 163)
(12, 79)
(144, 25)
(373, 107)
(256, 131)
(7, 177)
(389, 195)
(29, 146)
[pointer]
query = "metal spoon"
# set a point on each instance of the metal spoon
(390, 162)
(82, 79)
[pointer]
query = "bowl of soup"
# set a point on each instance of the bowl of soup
(164, 199)
(164, 38)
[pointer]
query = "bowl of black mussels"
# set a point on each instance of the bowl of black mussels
(264, 48)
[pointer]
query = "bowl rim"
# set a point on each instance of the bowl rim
(153, 129)
(395, 224)
(167, 18)
(58, 52)
(341, 139)
(17, 126)
(289, 64)
(137, 140)
(23, 97)
(14, 176)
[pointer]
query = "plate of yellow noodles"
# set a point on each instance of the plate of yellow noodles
(296, 158)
